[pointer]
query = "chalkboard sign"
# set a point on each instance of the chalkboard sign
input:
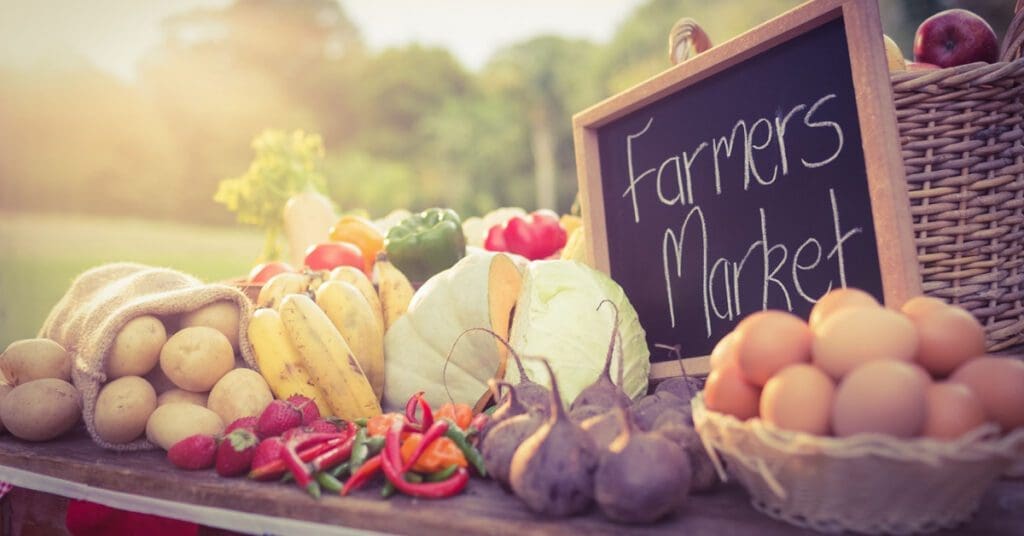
(757, 175)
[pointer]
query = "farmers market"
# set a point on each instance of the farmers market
(334, 267)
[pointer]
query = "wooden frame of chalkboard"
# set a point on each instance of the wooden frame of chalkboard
(822, 58)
